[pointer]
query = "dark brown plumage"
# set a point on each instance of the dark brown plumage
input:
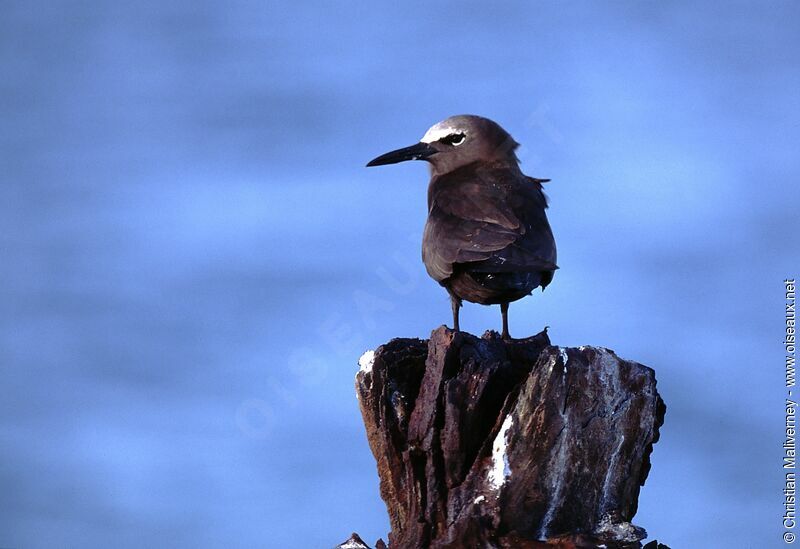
(487, 239)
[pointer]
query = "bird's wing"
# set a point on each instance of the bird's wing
(494, 220)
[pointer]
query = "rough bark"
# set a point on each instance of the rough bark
(486, 443)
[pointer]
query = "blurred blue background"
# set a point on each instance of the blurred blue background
(193, 256)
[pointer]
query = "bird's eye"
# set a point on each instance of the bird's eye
(454, 139)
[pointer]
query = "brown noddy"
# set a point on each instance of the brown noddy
(487, 239)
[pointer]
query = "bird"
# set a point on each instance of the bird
(487, 239)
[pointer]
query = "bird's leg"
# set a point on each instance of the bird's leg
(455, 302)
(504, 312)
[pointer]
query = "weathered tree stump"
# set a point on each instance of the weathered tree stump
(486, 443)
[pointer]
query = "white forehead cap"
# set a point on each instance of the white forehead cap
(439, 130)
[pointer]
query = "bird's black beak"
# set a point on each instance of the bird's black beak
(420, 151)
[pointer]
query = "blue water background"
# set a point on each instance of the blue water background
(193, 257)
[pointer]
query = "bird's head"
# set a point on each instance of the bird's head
(455, 142)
